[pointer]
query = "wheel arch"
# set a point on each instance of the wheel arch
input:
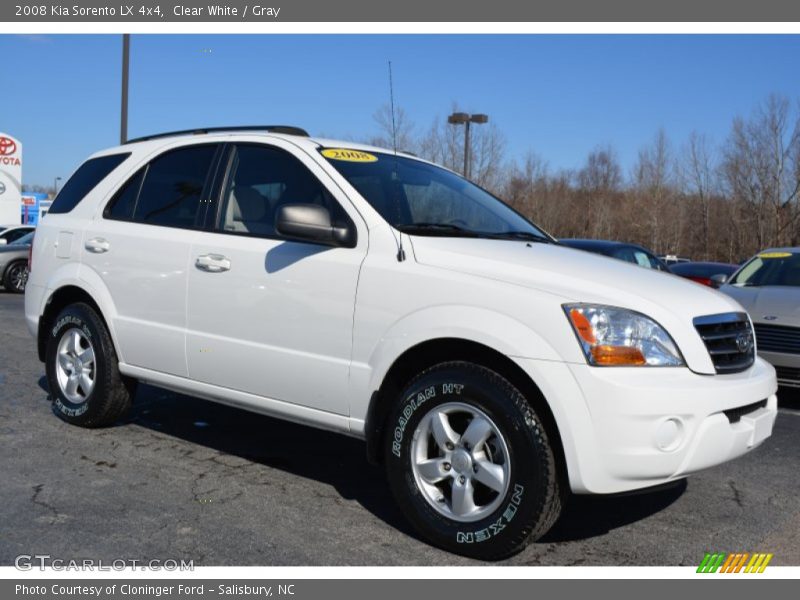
(60, 298)
(431, 352)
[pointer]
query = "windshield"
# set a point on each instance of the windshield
(770, 268)
(423, 199)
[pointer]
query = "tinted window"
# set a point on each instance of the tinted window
(84, 180)
(262, 180)
(23, 240)
(124, 201)
(14, 234)
(639, 257)
(172, 188)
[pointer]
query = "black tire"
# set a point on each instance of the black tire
(15, 277)
(534, 496)
(110, 398)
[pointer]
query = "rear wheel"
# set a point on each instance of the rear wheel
(16, 277)
(470, 462)
(82, 372)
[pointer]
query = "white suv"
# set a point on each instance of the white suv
(368, 292)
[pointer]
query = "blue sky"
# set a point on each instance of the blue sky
(560, 96)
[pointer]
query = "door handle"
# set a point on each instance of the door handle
(97, 245)
(213, 263)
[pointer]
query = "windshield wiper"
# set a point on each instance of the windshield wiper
(440, 228)
(520, 235)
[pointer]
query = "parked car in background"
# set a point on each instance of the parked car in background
(768, 286)
(11, 233)
(632, 253)
(703, 272)
(14, 263)
(672, 259)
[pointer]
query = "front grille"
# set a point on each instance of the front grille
(729, 340)
(735, 414)
(788, 374)
(778, 338)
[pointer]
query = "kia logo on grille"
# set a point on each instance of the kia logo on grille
(7, 146)
(744, 342)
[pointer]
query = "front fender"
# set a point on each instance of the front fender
(495, 330)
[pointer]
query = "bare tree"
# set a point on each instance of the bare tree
(602, 173)
(700, 176)
(444, 144)
(394, 131)
(654, 179)
(761, 170)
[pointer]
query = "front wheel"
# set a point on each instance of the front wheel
(470, 463)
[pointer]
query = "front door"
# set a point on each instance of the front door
(269, 316)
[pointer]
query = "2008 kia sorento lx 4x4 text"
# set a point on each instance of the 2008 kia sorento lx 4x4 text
(355, 289)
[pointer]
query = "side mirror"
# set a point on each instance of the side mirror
(3, 241)
(312, 223)
(719, 279)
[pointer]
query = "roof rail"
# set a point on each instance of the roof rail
(287, 129)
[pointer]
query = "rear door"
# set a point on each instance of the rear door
(140, 248)
(269, 316)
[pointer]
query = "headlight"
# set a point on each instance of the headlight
(613, 336)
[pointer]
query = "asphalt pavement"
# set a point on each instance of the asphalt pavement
(183, 478)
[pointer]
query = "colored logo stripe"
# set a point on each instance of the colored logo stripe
(734, 562)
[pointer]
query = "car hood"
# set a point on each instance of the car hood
(572, 275)
(779, 305)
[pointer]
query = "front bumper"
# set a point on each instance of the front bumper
(627, 428)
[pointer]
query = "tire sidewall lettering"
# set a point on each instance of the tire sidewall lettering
(60, 404)
(412, 404)
(74, 321)
(494, 528)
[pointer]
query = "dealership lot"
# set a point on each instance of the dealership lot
(188, 479)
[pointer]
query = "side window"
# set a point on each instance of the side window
(167, 191)
(172, 188)
(643, 260)
(15, 234)
(84, 180)
(124, 201)
(262, 179)
(625, 254)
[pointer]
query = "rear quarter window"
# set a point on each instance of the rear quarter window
(84, 180)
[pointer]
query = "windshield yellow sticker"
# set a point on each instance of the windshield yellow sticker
(349, 155)
(775, 255)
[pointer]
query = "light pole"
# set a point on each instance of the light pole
(123, 122)
(459, 118)
(55, 186)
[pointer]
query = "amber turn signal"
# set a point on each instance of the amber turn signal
(617, 356)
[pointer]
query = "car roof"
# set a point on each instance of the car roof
(793, 250)
(706, 263)
(155, 142)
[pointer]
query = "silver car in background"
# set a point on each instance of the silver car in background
(14, 264)
(768, 286)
